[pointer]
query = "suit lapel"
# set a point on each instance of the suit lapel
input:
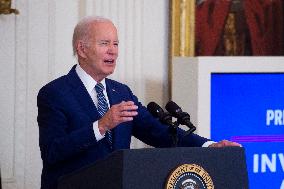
(113, 94)
(82, 95)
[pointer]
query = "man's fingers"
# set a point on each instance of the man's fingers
(229, 143)
(127, 103)
(127, 109)
(122, 112)
(225, 143)
(127, 106)
(124, 119)
(128, 113)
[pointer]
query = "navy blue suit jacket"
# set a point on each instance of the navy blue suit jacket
(66, 114)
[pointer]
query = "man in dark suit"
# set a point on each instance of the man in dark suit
(83, 116)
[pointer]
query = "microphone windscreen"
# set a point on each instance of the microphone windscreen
(154, 109)
(173, 108)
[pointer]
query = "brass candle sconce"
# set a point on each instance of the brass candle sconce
(5, 7)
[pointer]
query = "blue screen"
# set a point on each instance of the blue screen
(248, 108)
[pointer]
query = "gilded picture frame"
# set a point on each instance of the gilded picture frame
(182, 25)
(181, 37)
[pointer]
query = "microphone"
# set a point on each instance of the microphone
(183, 118)
(158, 112)
(165, 118)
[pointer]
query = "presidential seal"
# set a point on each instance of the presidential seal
(189, 176)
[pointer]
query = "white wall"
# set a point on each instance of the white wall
(36, 48)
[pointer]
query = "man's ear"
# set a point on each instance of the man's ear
(81, 49)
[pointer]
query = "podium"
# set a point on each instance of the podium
(151, 168)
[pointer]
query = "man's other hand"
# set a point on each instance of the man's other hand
(118, 113)
(225, 143)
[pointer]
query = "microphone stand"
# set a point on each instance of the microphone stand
(190, 130)
(187, 122)
(173, 132)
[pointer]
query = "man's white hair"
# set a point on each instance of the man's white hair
(82, 30)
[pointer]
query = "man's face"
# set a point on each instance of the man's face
(101, 51)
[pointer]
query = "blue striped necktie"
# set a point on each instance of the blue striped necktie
(103, 108)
